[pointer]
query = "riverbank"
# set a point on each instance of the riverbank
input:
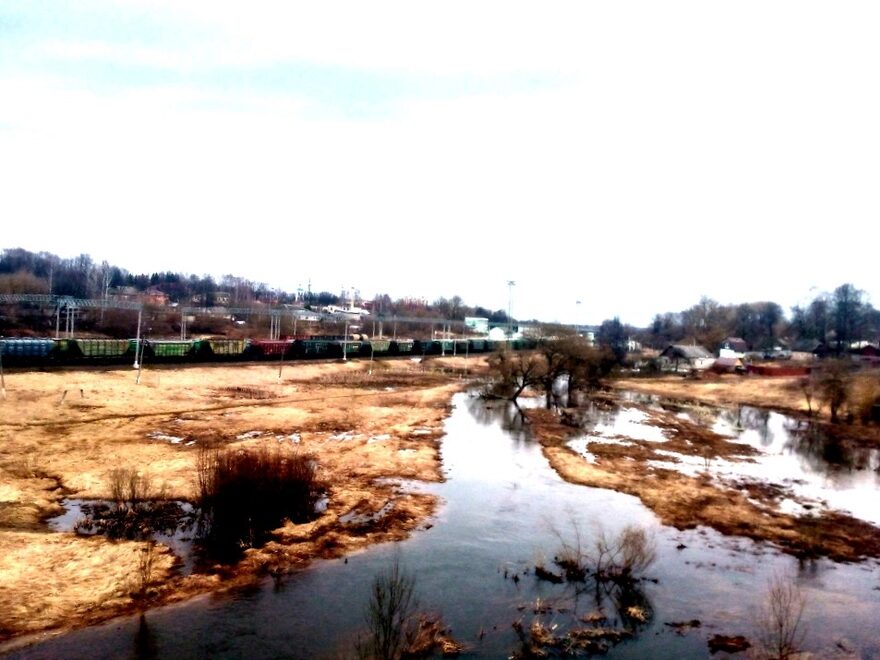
(673, 474)
(782, 393)
(64, 432)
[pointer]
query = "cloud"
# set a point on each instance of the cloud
(588, 152)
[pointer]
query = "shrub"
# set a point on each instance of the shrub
(864, 396)
(779, 619)
(389, 614)
(396, 629)
(246, 494)
(128, 488)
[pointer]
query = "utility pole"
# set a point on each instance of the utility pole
(510, 285)
(137, 342)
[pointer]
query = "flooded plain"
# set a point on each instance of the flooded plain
(505, 511)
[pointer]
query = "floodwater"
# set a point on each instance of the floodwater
(504, 509)
(814, 471)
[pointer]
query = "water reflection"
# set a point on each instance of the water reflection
(144, 641)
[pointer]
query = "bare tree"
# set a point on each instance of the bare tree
(779, 619)
(833, 385)
(515, 371)
(389, 614)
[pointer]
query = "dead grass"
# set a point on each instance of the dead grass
(50, 449)
(783, 393)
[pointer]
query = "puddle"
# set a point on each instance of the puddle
(358, 518)
(173, 527)
(502, 508)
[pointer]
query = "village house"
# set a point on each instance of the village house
(681, 357)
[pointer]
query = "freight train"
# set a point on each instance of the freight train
(47, 352)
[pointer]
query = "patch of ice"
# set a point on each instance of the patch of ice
(580, 446)
(347, 435)
(630, 422)
(378, 438)
(249, 435)
(421, 432)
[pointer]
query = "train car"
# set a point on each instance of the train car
(169, 349)
(94, 350)
(221, 349)
(347, 347)
(313, 348)
(16, 351)
(375, 348)
(270, 348)
(477, 345)
(427, 347)
(401, 346)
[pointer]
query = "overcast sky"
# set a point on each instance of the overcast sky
(633, 156)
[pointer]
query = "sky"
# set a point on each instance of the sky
(612, 159)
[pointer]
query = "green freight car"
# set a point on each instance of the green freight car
(402, 346)
(168, 349)
(96, 349)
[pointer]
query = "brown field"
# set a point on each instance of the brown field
(54, 445)
(780, 393)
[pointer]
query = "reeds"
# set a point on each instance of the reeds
(245, 494)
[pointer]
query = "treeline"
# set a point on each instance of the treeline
(27, 272)
(22, 271)
(836, 319)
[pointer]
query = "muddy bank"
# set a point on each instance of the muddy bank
(630, 465)
(358, 428)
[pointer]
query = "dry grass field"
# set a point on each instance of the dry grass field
(63, 432)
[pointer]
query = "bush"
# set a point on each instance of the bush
(864, 396)
(779, 619)
(128, 488)
(246, 494)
